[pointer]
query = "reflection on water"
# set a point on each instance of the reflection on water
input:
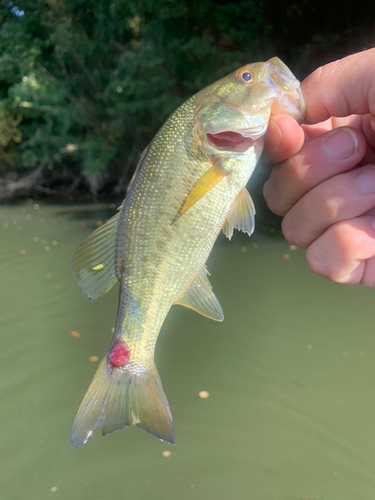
(290, 376)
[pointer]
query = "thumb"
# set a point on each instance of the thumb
(284, 138)
(341, 88)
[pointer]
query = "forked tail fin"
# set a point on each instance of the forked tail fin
(118, 397)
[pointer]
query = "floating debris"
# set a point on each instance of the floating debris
(362, 353)
(293, 247)
(54, 489)
(23, 251)
(36, 206)
(5, 225)
(255, 245)
(46, 248)
(82, 224)
(75, 334)
(345, 354)
(286, 256)
(14, 222)
(48, 275)
(309, 346)
(28, 217)
(99, 223)
(35, 238)
(53, 243)
(166, 454)
(92, 359)
(204, 394)
(243, 249)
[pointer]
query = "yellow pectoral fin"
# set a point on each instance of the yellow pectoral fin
(208, 180)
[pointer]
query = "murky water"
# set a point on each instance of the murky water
(290, 375)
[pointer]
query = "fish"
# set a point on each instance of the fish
(189, 184)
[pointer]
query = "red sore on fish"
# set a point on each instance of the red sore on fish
(119, 355)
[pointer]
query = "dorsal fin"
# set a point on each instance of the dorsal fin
(241, 215)
(93, 263)
(200, 297)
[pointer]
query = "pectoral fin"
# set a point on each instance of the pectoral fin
(241, 215)
(208, 180)
(93, 263)
(200, 297)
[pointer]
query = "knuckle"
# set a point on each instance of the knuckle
(329, 209)
(273, 199)
(330, 202)
(292, 167)
(340, 234)
(316, 262)
(290, 230)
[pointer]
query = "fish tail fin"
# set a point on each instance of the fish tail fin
(131, 395)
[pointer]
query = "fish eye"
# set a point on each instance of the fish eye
(245, 76)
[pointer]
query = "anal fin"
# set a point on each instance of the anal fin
(241, 215)
(200, 297)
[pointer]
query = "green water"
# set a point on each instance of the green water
(290, 375)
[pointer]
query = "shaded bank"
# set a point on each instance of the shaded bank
(85, 85)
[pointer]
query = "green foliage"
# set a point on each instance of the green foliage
(86, 83)
(89, 82)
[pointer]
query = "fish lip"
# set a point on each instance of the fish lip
(230, 140)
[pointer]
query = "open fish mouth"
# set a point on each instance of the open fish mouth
(230, 141)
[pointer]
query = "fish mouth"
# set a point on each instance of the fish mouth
(230, 141)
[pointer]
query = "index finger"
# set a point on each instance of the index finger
(341, 88)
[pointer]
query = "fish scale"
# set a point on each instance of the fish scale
(189, 183)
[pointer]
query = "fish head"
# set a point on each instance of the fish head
(235, 111)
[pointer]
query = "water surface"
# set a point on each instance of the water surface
(290, 375)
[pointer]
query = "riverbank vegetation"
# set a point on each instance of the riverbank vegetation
(85, 84)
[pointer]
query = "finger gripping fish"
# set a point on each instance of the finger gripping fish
(188, 185)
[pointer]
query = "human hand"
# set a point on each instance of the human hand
(324, 183)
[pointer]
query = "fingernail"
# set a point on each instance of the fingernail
(341, 144)
(275, 135)
(366, 180)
